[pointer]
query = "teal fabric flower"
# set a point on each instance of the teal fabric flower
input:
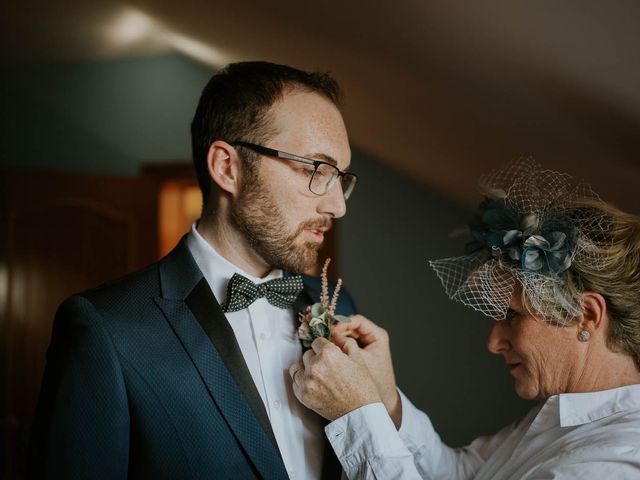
(539, 247)
(545, 254)
(489, 225)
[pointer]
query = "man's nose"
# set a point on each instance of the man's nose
(333, 203)
(498, 341)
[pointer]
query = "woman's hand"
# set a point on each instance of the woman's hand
(333, 382)
(376, 355)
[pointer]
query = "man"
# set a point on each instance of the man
(179, 370)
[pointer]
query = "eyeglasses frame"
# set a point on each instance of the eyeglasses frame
(272, 152)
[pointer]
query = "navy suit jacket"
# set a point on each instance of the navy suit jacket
(145, 379)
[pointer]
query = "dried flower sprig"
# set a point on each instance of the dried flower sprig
(318, 319)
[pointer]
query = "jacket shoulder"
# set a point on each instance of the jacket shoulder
(126, 292)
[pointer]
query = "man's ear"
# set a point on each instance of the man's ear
(224, 166)
(594, 313)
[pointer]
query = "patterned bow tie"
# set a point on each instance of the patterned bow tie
(279, 292)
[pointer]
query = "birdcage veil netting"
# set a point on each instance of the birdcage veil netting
(529, 232)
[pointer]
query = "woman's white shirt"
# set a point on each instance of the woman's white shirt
(592, 435)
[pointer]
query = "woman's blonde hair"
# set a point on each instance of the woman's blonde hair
(617, 276)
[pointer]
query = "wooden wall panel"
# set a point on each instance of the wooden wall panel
(59, 234)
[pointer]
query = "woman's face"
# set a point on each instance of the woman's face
(542, 358)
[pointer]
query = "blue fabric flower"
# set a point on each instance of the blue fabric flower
(522, 239)
(490, 224)
(548, 253)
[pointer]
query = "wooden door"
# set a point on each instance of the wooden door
(60, 233)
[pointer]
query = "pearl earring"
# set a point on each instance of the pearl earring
(584, 336)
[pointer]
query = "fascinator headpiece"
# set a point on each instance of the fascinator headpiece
(529, 232)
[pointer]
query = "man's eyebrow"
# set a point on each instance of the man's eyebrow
(326, 158)
(322, 156)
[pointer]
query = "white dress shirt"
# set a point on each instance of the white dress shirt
(569, 436)
(267, 337)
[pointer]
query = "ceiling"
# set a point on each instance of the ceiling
(442, 91)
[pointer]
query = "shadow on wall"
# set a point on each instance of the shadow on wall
(393, 227)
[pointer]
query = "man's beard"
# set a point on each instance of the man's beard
(262, 222)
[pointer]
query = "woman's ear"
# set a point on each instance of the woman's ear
(224, 166)
(594, 314)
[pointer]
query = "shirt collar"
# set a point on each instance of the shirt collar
(216, 269)
(580, 408)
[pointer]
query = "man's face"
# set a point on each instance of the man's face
(281, 219)
(543, 358)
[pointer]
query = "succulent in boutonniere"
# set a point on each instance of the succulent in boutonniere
(317, 320)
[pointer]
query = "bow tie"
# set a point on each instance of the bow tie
(279, 292)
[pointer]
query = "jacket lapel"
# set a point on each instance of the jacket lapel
(206, 309)
(195, 316)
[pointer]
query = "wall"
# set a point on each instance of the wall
(101, 116)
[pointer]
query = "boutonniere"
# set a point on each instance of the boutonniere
(317, 320)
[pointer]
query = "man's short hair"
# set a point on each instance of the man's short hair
(235, 103)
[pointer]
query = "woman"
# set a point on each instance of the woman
(559, 269)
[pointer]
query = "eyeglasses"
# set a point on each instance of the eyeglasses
(323, 175)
